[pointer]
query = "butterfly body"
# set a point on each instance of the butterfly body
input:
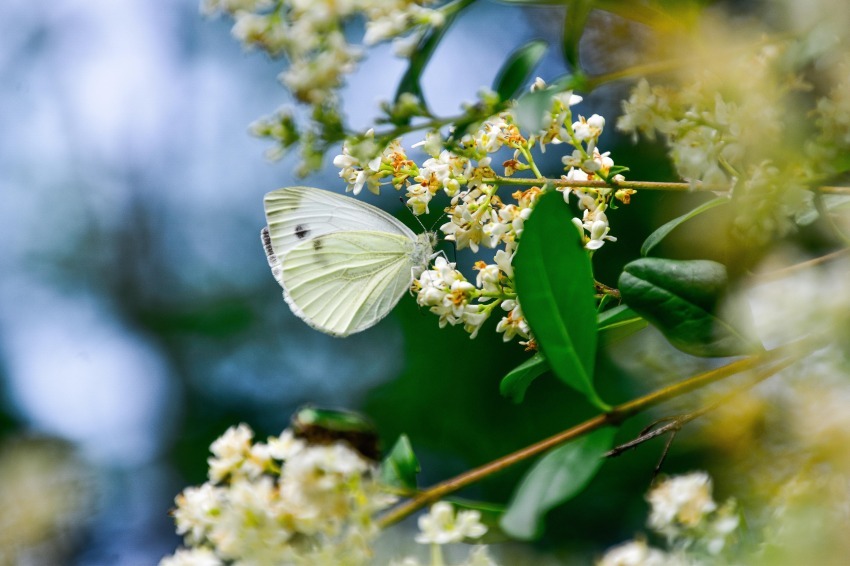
(343, 264)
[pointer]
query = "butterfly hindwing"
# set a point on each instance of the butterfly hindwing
(345, 282)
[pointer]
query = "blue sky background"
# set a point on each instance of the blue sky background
(133, 289)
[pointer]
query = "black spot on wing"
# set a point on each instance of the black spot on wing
(301, 231)
(317, 244)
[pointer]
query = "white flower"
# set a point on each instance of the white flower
(514, 324)
(229, 451)
(432, 144)
(598, 231)
(251, 527)
(405, 47)
(418, 198)
(197, 510)
(680, 501)
(360, 163)
(471, 212)
(634, 553)
(285, 446)
(479, 556)
(315, 508)
(473, 317)
(538, 84)
(488, 278)
(192, 557)
(441, 526)
(384, 28)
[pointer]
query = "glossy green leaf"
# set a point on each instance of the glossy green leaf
(555, 288)
(557, 477)
(614, 324)
(618, 323)
(681, 299)
(518, 379)
(575, 20)
(400, 467)
(517, 69)
(662, 232)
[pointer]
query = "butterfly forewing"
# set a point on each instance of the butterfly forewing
(345, 282)
(300, 214)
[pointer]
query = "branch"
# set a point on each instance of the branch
(676, 423)
(637, 185)
(794, 351)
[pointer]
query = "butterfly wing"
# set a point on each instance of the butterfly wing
(298, 214)
(344, 282)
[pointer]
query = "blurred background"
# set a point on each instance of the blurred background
(138, 318)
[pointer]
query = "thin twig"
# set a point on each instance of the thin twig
(677, 422)
(786, 271)
(638, 185)
(617, 415)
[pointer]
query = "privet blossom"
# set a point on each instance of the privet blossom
(287, 502)
(282, 502)
(696, 529)
(479, 214)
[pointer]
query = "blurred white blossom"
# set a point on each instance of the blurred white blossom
(442, 525)
(281, 502)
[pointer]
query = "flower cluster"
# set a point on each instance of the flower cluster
(311, 35)
(48, 493)
(746, 125)
(477, 215)
(683, 511)
(315, 39)
(449, 295)
(279, 502)
(441, 526)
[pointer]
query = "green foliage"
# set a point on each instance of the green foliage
(518, 379)
(574, 23)
(400, 467)
(614, 324)
(516, 70)
(655, 238)
(557, 477)
(681, 299)
(555, 287)
(618, 323)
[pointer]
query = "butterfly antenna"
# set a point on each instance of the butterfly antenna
(424, 229)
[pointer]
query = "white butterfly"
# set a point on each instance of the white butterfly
(343, 264)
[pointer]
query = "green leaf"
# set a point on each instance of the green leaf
(681, 298)
(614, 324)
(555, 288)
(618, 323)
(517, 68)
(662, 232)
(557, 477)
(400, 467)
(575, 20)
(518, 379)
(671, 14)
(830, 203)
